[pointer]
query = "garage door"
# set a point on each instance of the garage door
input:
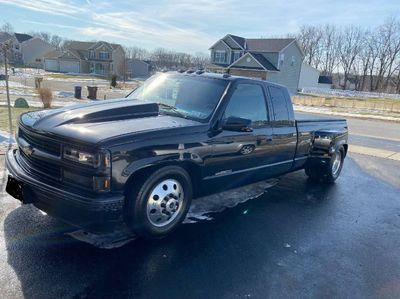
(51, 65)
(69, 66)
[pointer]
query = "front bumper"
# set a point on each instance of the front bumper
(97, 213)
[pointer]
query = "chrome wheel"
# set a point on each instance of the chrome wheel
(336, 162)
(164, 202)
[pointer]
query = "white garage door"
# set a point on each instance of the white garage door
(51, 65)
(69, 66)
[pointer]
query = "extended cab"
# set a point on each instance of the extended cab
(137, 162)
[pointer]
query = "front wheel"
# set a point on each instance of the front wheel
(329, 172)
(160, 203)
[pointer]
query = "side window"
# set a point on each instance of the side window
(248, 101)
(279, 103)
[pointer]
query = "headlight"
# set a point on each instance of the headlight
(101, 159)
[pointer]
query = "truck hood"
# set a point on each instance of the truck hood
(94, 122)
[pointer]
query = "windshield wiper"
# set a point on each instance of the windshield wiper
(173, 109)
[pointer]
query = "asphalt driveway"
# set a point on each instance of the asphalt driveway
(297, 240)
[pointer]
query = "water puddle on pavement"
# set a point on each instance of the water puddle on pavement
(202, 207)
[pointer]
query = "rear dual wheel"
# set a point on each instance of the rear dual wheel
(329, 172)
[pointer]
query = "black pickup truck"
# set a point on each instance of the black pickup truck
(137, 162)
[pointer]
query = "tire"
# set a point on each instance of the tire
(312, 173)
(330, 172)
(158, 203)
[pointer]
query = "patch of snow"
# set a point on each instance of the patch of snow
(323, 110)
(11, 84)
(5, 137)
(215, 203)
(64, 94)
(348, 93)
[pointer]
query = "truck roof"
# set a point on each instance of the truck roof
(226, 77)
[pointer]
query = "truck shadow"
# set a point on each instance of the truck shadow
(222, 256)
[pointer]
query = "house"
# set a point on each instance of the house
(310, 77)
(138, 68)
(277, 60)
(26, 49)
(100, 58)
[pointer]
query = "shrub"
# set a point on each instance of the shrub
(46, 96)
(113, 81)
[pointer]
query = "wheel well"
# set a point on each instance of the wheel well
(345, 146)
(192, 169)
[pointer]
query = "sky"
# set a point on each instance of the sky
(188, 26)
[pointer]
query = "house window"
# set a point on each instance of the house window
(236, 55)
(92, 54)
(293, 61)
(220, 56)
(281, 60)
(16, 47)
(104, 55)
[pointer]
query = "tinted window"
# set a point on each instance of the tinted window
(279, 103)
(248, 102)
(193, 97)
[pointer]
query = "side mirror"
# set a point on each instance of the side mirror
(237, 124)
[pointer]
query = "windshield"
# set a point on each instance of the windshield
(190, 97)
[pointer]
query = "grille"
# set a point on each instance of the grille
(41, 143)
(41, 168)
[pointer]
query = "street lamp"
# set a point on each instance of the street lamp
(5, 47)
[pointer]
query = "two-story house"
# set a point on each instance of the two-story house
(26, 49)
(277, 60)
(101, 58)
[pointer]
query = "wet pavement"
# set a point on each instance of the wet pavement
(297, 240)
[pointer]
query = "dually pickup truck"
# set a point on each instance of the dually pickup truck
(138, 161)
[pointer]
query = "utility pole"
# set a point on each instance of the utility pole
(5, 47)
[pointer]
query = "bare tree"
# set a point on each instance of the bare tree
(330, 49)
(7, 27)
(310, 37)
(393, 28)
(56, 41)
(350, 45)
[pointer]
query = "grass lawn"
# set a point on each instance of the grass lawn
(15, 114)
(69, 76)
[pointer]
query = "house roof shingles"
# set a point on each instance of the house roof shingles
(261, 59)
(79, 49)
(267, 44)
(239, 40)
(53, 54)
(21, 37)
(261, 44)
(264, 61)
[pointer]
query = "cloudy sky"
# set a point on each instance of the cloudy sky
(191, 25)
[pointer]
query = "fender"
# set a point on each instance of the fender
(325, 142)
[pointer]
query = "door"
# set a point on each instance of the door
(69, 66)
(284, 128)
(51, 65)
(243, 155)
